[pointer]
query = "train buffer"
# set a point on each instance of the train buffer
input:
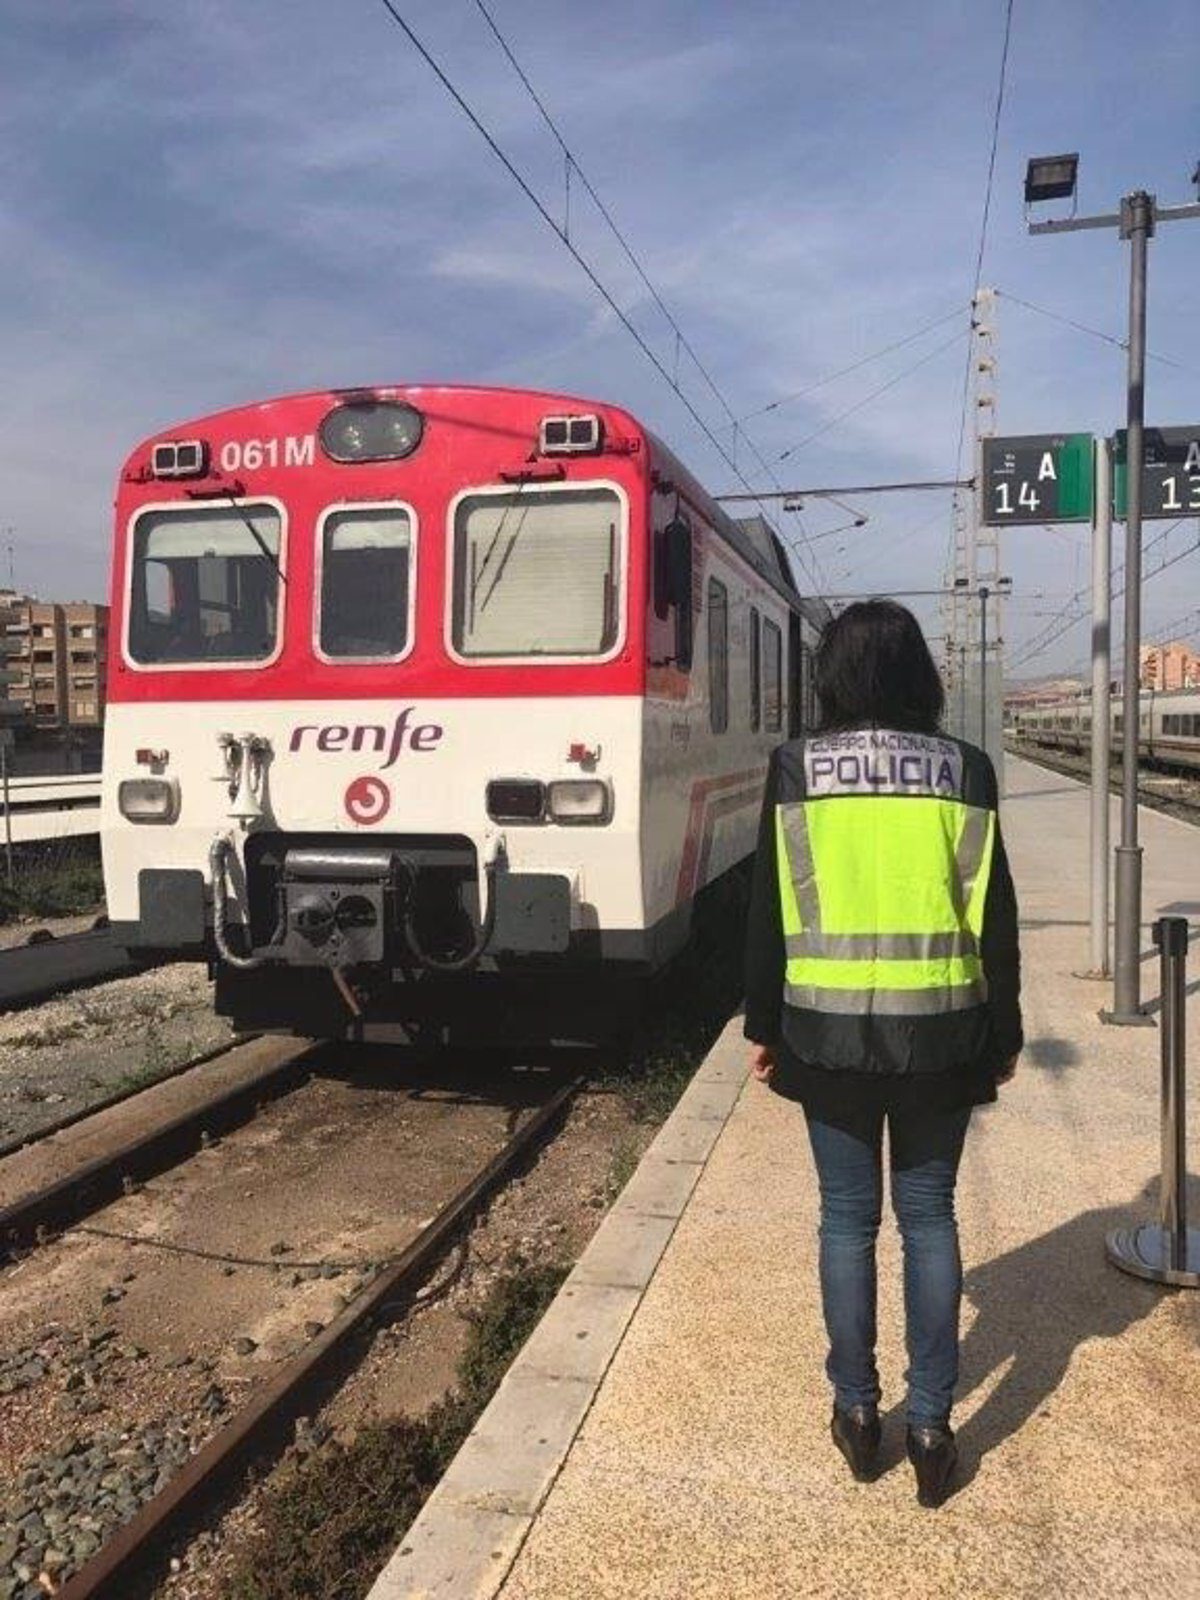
(664, 1433)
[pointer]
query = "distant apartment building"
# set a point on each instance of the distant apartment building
(57, 661)
(1169, 666)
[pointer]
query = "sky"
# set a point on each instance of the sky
(208, 203)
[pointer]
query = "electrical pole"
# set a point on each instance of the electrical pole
(984, 591)
(976, 552)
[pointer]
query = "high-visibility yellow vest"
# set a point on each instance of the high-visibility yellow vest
(883, 874)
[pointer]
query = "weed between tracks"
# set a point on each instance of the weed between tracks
(329, 1525)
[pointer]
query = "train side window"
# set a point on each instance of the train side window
(1168, 724)
(718, 656)
(366, 595)
(755, 670)
(204, 585)
(679, 567)
(772, 677)
(811, 704)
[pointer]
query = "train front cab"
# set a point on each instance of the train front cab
(351, 827)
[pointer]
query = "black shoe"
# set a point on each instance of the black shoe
(934, 1456)
(856, 1433)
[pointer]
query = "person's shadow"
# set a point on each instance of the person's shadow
(1033, 1306)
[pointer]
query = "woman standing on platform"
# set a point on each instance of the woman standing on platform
(882, 986)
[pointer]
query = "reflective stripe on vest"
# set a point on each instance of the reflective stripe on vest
(882, 901)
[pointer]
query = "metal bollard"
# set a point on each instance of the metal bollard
(1167, 1251)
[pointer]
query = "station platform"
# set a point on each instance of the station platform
(664, 1433)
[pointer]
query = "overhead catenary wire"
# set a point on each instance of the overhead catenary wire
(1166, 631)
(1083, 327)
(571, 165)
(562, 231)
(1039, 644)
(851, 488)
(682, 343)
(1079, 598)
(866, 400)
(844, 372)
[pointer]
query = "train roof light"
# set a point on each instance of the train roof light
(179, 458)
(571, 436)
(371, 430)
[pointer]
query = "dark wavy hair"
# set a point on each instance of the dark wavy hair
(873, 667)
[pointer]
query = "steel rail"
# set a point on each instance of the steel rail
(106, 1177)
(1182, 807)
(26, 1141)
(263, 1426)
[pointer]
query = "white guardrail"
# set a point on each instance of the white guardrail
(49, 808)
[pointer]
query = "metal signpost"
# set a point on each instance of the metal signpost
(1054, 178)
(1063, 477)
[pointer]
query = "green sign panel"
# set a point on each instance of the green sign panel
(1040, 477)
(1170, 472)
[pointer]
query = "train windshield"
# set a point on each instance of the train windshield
(536, 572)
(366, 583)
(205, 585)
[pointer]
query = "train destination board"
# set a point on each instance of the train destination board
(1170, 472)
(1040, 477)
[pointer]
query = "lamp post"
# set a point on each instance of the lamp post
(1054, 178)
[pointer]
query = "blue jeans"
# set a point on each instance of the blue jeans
(924, 1151)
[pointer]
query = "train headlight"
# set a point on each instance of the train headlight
(516, 800)
(371, 430)
(148, 799)
(579, 800)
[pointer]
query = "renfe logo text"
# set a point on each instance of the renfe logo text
(421, 739)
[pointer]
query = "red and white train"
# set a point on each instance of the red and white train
(423, 694)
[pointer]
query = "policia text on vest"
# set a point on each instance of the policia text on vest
(889, 869)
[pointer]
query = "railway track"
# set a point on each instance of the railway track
(34, 972)
(1176, 797)
(262, 1428)
(259, 1429)
(132, 1155)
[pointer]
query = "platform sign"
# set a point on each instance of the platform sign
(1170, 472)
(1040, 477)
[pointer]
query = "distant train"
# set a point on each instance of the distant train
(1168, 733)
(417, 692)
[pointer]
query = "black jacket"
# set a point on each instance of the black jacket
(981, 1037)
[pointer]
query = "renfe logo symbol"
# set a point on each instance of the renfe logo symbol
(426, 736)
(368, 800)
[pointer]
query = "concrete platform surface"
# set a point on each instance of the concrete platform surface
(664, 1433)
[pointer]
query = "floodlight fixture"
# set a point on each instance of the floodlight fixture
(1051, 178)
